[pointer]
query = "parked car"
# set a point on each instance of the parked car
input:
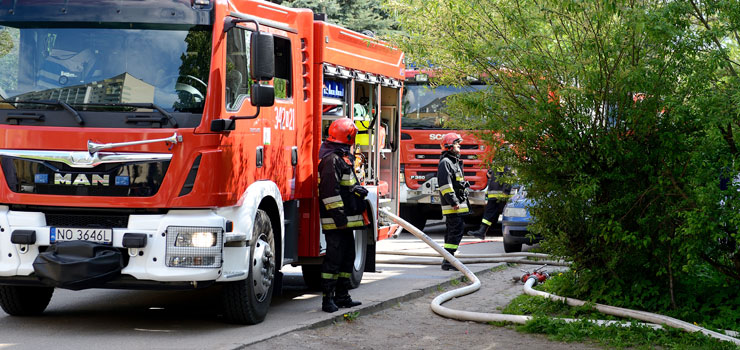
(514, 222)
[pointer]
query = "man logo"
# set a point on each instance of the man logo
(81, 180)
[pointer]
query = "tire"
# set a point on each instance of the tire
(512, 247)
(247, 301)
(358, 267)
(312, 273)
(25, 301)
(312, 276)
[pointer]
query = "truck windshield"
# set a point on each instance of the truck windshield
(424, 107)
(104, 67)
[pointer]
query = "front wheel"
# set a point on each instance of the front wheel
(247, 301)
(512, 247)
(25, 301)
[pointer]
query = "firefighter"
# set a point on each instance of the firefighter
(342, 208)
(453, 192)
(497, 194)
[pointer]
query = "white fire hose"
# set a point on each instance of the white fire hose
(657, 320)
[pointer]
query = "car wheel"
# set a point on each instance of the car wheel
(247, 301)
(25, 301)
(512, 247)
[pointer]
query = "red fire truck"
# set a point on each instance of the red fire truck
(173, 145)
(422, 127)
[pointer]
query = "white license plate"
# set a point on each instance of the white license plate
(98, 235)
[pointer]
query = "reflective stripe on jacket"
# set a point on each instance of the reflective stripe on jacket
(497, 190)
(452, 184)
(339, 207)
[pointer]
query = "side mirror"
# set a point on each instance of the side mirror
(262, 56)
(262, 95)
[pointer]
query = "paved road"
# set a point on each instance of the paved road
(113, 319)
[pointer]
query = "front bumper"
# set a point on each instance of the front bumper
(518, 234)
(143, 266)
(428, 194)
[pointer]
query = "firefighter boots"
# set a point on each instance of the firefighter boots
(327, 304)
(345, 301)
(342, 298)
(446, 264)
(480, 233)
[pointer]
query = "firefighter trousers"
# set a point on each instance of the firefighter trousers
(493, 209)
(338, 261)
(453, 236)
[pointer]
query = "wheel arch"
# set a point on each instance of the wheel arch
(264, 195)
(275, 213)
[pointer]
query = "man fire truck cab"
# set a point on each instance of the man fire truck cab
(174, 145)
(422, 127)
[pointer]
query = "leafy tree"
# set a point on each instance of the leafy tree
(622, 117)
(353, 14)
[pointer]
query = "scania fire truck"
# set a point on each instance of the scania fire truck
(173, 144)
(423, 124)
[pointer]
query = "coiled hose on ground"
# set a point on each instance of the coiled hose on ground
(655, 320)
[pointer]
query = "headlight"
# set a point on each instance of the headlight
(201, 239)
(515, 212)
(194, 246)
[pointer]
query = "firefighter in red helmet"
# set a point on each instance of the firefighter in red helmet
(453, 192)
(341, 207)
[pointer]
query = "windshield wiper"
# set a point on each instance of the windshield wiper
(153, 106)
(62, 104)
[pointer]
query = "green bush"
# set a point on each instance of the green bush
(622, 118)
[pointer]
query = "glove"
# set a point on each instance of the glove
(359, 191)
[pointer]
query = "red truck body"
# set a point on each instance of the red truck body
(139, 127)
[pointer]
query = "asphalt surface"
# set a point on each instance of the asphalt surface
(115, 319)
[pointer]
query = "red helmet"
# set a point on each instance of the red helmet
(342, 130)
(450, 139)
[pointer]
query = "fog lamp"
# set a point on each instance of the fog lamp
(194, 246)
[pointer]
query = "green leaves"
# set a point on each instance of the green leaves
(623, 118)
(353, 14)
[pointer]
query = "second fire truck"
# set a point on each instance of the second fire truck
(423, 125)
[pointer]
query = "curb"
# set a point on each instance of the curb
(373, 307)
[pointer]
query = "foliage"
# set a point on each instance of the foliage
(8, 58)
(547, 314)
(351, 316)
(353, 14)
(708, 298)
(613, 336)
(622, 117)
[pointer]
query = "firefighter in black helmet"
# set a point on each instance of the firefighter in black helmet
(453, 192)
(341, 206)
(497, 194)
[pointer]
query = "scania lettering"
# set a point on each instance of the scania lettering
(174, 145)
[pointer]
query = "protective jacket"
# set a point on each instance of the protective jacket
(342, 199)
(453, 188)
(497, 190)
